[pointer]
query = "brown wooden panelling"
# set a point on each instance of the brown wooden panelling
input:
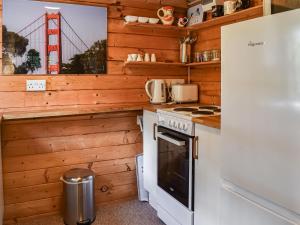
(120, 85)
(37, 153)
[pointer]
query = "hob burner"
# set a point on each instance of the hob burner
(203, 112)
(185, 109)
(210, 107)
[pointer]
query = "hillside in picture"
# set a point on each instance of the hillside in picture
(53, 38)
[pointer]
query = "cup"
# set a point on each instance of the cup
(230, 7)
(134, 57)
(153, 57)
(182, 21)
(217, 11)
(139, 58)
(244, 4)
(147, 57)
(129, 58)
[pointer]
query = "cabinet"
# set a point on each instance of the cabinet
(207, 176)
(150, 155)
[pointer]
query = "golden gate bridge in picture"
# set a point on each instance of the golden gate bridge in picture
(52, 35)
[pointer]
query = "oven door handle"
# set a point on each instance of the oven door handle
(171, 140)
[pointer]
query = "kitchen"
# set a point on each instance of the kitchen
(146, 123)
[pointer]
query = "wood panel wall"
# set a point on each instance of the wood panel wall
(37, 152)
(121, 85)
(209, 78)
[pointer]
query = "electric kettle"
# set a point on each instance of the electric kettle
(156, 90)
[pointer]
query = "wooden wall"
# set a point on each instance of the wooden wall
(209, 78)
(121, 85)
(37, 152)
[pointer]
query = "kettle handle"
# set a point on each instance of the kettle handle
(158, 13)
(147, 88)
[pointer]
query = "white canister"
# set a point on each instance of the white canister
(153, 57)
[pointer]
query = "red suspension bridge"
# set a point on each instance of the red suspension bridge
(53, 36)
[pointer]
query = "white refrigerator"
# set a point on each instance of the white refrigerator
(261, 121)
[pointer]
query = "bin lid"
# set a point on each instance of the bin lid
(78, 175)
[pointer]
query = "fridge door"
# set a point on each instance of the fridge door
(261, 107)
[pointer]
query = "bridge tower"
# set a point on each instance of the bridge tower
(53, 43)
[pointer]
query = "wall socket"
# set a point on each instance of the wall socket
(35, 85)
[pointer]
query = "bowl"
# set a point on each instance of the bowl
(143, 19)
(153, 20)
(131, 18)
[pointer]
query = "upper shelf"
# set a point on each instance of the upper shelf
(235, 17)
(176, 64)
(131, 64)
(154, 26)
(209, 63)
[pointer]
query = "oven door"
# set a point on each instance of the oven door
(175, 165)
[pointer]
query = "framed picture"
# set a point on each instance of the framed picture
(42, 37)
(278, 6)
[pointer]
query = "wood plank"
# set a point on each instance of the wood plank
(74, 110)
(75, 82)
(142, 41)
(19, 210)
(121, 54)
(56, 159)
(69, 143)
(67, 128)
(245, 14)
(37, 192)
(52, 175)
(118, 26)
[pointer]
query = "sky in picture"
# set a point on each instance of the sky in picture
(88, 21)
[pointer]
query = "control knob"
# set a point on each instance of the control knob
(185, 127)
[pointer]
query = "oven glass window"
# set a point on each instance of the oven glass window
(173, 167)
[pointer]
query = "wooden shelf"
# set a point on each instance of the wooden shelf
(232, 18)
(131, 64)
(210, 63)
(153, 26)
(235, 17)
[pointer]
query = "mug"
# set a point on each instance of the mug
(134, 57)
(230, 7)
(139, 58)
(182, 21)
(129, 58)
(243, 4)
(217, 11)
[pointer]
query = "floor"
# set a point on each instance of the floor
(130, 212)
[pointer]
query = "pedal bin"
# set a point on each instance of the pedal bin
(79, 197)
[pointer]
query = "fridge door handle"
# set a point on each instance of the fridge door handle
(195, 149)
(154, 131)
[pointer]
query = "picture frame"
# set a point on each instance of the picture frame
(52, 38)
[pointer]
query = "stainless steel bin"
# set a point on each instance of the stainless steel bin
(79, 201)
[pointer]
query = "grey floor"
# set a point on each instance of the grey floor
(125, 213)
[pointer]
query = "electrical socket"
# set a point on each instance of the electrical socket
(35, 85)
